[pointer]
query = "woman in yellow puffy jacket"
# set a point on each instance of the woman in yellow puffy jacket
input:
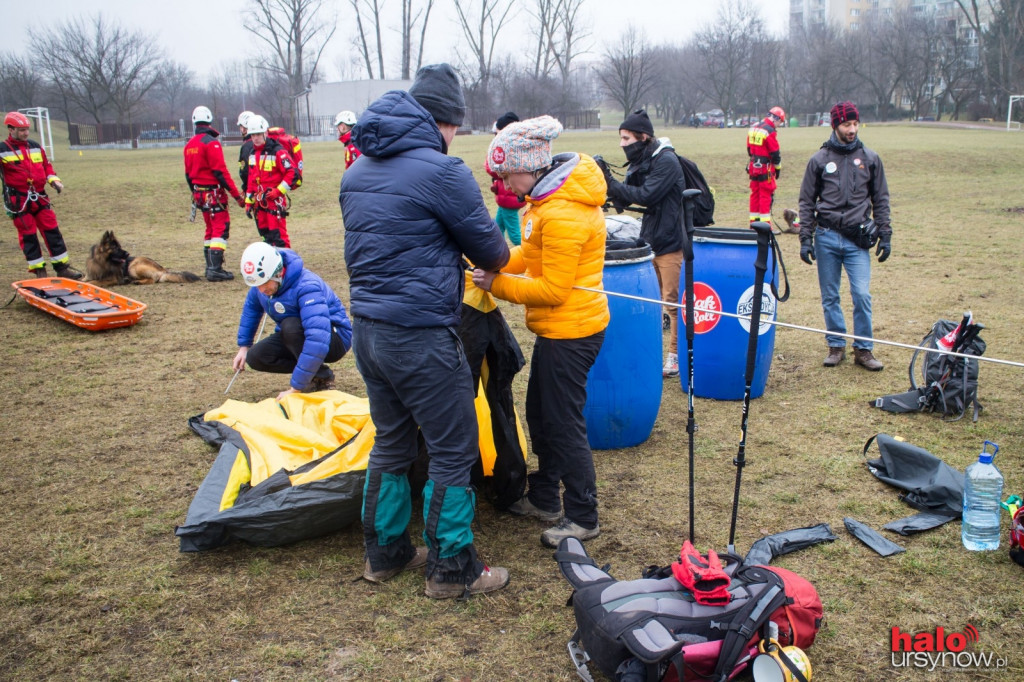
(563, 235)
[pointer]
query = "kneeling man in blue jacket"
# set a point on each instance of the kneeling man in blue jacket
(312, 325)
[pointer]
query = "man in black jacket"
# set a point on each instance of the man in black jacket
(655, 181)
(844, 194)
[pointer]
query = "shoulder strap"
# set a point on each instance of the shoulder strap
(748, 621)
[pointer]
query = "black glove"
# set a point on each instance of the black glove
(778, 173)
(248, 211)
(884, 247)
(603, 165)
(807, 250)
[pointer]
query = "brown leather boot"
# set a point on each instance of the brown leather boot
(864, 358)
(836, 354)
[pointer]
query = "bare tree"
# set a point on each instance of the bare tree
(727, 46)
(296, 33)
(20, 82)
(481, 23)
(679, 95)
(542, 12)
(567, 36)
(629, 72)
(823, 67)
(868, 54)
(100, 66)
(360, 40)
(958, 67)
(175, 81)
(411, 16)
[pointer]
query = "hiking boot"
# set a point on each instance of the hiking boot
(65, 270)
(523, 507)
(39, 273)
(864, 358)
(489, 580)
(671, 368)
(567, 529)
(836, 354)
(418, 560)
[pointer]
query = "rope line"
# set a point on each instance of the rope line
(787, 325)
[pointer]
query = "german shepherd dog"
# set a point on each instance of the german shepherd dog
(109, 264)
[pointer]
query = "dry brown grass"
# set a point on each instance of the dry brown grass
(99, 465)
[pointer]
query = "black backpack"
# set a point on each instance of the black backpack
(948, 384)
(653, 628)
(704, 205)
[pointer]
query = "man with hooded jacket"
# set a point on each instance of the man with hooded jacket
(655, 181)
(312, 325)
(411, 212)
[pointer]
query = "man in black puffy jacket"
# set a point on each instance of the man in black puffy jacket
(655, 181)
(411, 212)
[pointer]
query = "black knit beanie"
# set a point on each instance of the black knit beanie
(505, 119)
(437, 89)
(638, 122)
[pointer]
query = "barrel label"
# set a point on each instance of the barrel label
(706, 303)
(745, 307)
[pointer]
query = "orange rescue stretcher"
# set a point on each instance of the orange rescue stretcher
(80, 303)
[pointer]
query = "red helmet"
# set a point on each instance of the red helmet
(16, 119)
(778, 113)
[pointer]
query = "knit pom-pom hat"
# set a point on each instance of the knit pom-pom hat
(523, 146)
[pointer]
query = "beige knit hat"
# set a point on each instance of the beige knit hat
(524, 146)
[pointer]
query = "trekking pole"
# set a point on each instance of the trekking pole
(760, 268)
(689, 197)
(238, 371)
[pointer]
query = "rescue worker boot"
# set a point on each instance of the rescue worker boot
(65, 270)
(864, 358)
(215, 271)
(39, 273)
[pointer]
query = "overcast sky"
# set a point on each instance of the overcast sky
(201, 33)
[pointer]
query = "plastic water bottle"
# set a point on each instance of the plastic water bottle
(983, 489)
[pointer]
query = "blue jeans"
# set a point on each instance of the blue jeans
(833, 252)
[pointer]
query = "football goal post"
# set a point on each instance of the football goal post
(42, 116)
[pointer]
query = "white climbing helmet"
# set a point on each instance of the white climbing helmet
(261, 263)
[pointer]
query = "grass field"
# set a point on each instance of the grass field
(99, 465)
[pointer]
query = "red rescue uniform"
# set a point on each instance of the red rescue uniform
(271, 174)
(210, 183)
(26, 172)
(762, 168)
(351, 153)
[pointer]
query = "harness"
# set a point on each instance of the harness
(34, 202)
(279, 207)
(213, 198)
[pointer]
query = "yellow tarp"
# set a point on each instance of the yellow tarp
(300, 429)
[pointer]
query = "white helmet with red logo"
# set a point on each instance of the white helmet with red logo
(16, 119)
(261, 263)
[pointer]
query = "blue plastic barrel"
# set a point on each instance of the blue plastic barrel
(624, 385)
(723, 280)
